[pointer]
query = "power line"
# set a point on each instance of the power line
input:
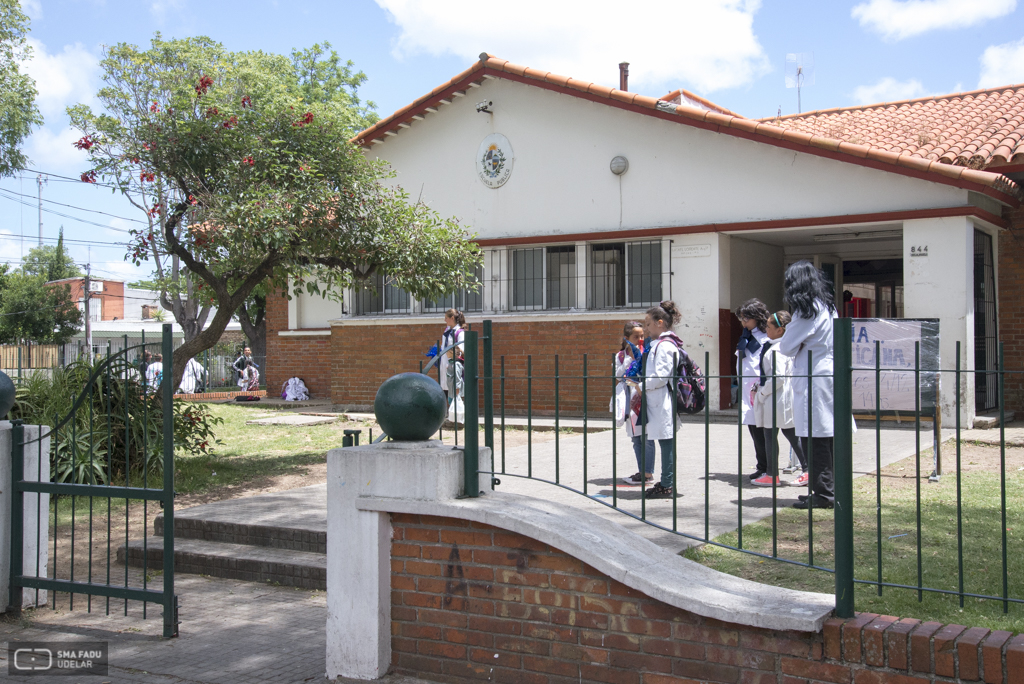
(73, 180)
(72, 206)
(62, 215)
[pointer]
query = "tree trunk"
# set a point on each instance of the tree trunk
(252, 316)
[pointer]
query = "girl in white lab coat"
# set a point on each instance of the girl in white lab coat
(626, 402)
(753, 314)
(658, 371)
(450, 365)
(809, 295)
(773, 402)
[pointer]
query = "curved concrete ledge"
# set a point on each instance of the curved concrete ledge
(628, 558)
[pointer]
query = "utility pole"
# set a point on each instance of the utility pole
(88, 295)
(39, 182)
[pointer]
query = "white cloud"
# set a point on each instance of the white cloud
(899, 19)
(705, 44)
(51, 149)
(33, 8)
(1002, 65)
(62, 78)
(160, 8)
(888, 90)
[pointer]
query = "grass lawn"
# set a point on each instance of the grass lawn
(939, 558)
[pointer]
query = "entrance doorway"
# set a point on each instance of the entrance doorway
(873, 288)
(986, 339)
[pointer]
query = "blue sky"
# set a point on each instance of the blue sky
(731, 51)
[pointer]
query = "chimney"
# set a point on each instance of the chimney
(624, 76)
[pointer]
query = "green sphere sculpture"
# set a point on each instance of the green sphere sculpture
(7, 394)
(410, 407)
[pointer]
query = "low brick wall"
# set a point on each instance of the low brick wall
(218, 396)
(474, 602)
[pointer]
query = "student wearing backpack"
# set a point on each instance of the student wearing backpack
(626, 402)
(659, 394)
(773, 402)
(753, 314)
(809, 295)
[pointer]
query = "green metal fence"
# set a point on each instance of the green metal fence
(581, 468)
(111, 447)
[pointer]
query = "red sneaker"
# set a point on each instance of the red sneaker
(766, 481)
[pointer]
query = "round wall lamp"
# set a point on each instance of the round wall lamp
(619, 165)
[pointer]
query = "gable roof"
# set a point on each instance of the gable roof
(974, 129)
(489, 67)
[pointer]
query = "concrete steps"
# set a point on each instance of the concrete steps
(286, 567)
(278, 537)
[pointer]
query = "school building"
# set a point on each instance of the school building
(592, 204)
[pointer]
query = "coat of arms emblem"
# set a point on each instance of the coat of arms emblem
(494, 160)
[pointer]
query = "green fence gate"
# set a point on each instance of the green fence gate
(111, 454)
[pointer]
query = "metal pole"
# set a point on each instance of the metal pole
(169, 600)
(843, 468)
(471, 432)
(489, 390)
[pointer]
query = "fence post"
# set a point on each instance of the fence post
(471, 453)
(17, 515)
(167, 389)
(842, 406)
(488, 389)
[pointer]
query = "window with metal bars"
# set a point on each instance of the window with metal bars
(624, 274)
(463, 300)
(379, 297)
(543, 277)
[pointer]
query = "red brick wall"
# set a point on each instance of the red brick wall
(472, 602)
(307, 357)
(1011, 306)
(364, 356)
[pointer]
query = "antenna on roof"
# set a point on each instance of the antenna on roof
(799, 73)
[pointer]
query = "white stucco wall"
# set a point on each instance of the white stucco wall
(942, 286)
(678, 175)
(756, 270)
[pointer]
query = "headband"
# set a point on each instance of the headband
(777, 323)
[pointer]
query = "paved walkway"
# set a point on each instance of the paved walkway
(725, 488)
(231, 631)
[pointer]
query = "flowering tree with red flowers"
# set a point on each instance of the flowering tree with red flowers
(250, 185)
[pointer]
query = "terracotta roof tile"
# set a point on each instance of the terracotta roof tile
(974, 129)
(936, 136)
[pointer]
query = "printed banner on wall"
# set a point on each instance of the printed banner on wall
(900, 375)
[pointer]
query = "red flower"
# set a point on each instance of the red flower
(249, 160)
(204, 84)
(155, 107)
(212, 112)
(146, 176)
(85, 143)
(233, 121)
(246, 102)
(192, 200)
(89, 177)
(307, 118)
(155, 211)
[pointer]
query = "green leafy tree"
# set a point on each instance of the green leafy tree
(31, 310)
(261, 187)
(18, 113)
(51, 263)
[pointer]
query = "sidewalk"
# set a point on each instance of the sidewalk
(231, 632)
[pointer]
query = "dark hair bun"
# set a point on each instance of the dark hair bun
(670, 308)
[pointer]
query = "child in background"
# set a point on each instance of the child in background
(777, 393)
(753, 314)
(626, 402)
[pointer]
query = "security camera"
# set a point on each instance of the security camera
(485, 107)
